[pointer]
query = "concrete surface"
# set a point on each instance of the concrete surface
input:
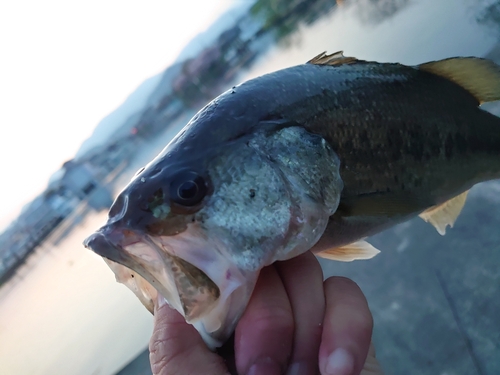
(436, 300)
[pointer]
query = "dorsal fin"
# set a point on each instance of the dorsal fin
(353, 251)
(334, 59)
(480, 77)
(445, 214)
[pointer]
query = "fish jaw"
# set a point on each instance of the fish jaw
(204, 285)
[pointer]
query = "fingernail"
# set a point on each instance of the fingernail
(301, 368)
(340, 362)
(265, 366)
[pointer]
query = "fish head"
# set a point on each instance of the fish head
(219, 203)
(199, 228)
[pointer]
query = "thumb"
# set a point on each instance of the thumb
(177, 348)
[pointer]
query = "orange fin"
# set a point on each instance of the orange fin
(354, 251)
(333, 59)
(445, 214)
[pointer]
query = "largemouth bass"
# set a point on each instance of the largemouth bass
(313, 157)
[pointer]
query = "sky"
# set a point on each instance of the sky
(66, 65)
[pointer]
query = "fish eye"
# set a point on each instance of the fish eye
(187, 188)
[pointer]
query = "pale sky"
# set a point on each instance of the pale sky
(65, 65)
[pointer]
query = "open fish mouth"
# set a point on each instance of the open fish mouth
(204, 286)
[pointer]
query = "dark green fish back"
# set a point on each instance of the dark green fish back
(398, 129)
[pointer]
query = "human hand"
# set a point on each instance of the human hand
(294, 324)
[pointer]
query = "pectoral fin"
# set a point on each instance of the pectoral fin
(445, 214)
(354, 251)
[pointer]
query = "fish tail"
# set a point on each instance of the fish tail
(480, 77)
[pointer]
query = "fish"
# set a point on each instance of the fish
(315, 157)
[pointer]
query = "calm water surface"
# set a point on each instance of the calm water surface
(64, 313)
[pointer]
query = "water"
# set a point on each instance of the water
(64, 313)
(68, 315)
(421, 31)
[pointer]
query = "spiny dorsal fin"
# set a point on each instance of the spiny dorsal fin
(445, 214)
(480, 77)
(334, 59)
(348, 253)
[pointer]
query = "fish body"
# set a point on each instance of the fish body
(317, 156)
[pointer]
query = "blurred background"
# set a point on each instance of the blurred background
(92, 91)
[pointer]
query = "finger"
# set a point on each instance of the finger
(263, 337)
(303, 280)
(347, 328)
(177, 348)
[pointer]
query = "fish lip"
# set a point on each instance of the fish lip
(235, 285)
(159, 266)
(106, 243)
(99, 243)
(110, 243)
